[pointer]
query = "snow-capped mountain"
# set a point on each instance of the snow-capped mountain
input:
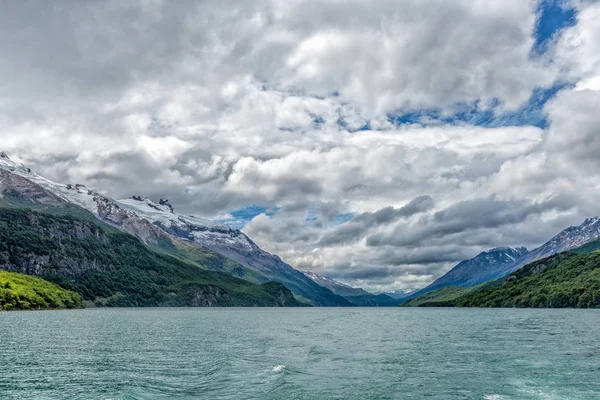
(497, 263)
(190, 227)
(231, 243)
(335, 286)
(567, 239)
(155, 223)
(50, 193)
(357, 296)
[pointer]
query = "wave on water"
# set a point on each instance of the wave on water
(278, 368)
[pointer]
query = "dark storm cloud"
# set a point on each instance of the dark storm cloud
(358, 226)
(390, 214)
(470, 215)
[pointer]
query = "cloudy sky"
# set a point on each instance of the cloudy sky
(377, 142)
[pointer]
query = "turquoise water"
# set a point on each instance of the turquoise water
(300, 354)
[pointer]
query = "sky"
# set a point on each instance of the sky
(375, 142)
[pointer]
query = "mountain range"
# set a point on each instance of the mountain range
(158, 226)
(398, 294)
(209, 245)
(357, 296)
(497, 263)
(569, 279)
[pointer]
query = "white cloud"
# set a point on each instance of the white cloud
(221, 105)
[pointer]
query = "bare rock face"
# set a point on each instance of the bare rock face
(285, 298)
(165, 202)
(568, 239)
(26, 191)
(68, 265)
(207, 295)
(127, 221)
(538, 269)
(485, 266)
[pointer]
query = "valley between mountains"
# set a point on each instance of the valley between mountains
(65, 244)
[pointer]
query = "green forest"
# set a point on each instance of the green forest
(565, 280)
(111, 268)
(23, 292)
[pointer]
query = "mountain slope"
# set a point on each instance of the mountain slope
(500, 262)
(562, 280)
(115, 268)
(398, 294)
(482, 268)
(233, 244)
(567, 279)
(161, 228)
(24, 292)
(568, 239)
(356, 296)
(335, 286)
(443, 297)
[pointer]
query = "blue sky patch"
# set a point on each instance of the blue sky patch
(553, 16)
(342, 218)
(244, 215)
(312, 215)
(530, 114)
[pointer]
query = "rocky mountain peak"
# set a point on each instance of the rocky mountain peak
(589, 221)
(165, 202)
(163, 205)
(511, 250)
(4, 155)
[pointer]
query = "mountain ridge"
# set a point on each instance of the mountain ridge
(114, 268)
(157, 225)
(357, 296)
(478, 270)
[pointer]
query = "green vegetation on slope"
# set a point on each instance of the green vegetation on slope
(588, 248)
(210, 260)
(563, 280)
(373, 300)
(23, 292)
(116, 269)
(444, 297)
(567, 279)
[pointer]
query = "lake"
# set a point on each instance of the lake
(317, 353)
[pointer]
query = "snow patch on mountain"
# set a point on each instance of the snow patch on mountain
(322, 280)
(164, 214)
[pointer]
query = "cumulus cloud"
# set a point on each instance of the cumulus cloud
(295, 105)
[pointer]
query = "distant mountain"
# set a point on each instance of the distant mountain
(336, 287)
(357, 296)
(482, 268)
(398, 294)
(443, 297)
(497, 263)
(159, 226)
(568, 239)
(567, 279)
